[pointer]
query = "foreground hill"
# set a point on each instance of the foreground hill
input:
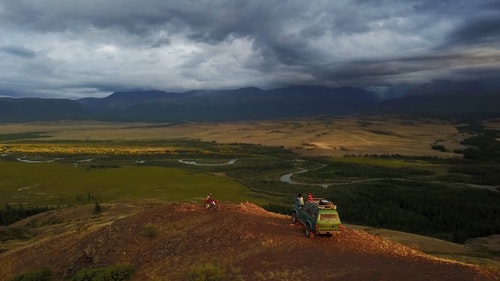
(167, 241)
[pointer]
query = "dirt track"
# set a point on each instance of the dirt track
(164, 242)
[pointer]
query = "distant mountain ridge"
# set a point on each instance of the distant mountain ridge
(38, 109)
(251, 103)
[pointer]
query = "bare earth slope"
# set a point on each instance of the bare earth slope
(163, 241)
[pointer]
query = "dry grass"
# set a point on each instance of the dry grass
(334, 137)
(479, 251)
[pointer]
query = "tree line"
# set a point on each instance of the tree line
(449, 213)
(10, 214)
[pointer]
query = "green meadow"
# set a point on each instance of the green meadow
(53, 183)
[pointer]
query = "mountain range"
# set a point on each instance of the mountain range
(439, 98)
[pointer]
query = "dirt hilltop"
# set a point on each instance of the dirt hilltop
(164, 242)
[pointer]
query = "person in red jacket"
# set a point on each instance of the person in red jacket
(309, 197)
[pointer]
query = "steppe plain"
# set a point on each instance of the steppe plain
(333, 137)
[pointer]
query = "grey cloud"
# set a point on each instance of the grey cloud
(19, 51)
(478, 31)
(162, 41)
(417, 68)
(165, 43)
(140, 17)
(479, 24)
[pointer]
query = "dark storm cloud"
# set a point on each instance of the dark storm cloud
(18, 51)
(478, 30)
(176, 45)
(378, 72)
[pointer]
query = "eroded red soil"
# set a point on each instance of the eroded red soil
(164, 242)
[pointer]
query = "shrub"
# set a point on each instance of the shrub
(97, 208)
(150, 231)
(278, 208)
(14, 233)
(206, 272)
(117, 272)
(439, 148)
(210, 272)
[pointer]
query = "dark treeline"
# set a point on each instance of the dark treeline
(480, 173)
(481, 158)
(484, 146)
(448, 213)
(10, 214)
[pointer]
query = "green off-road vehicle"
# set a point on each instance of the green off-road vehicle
(319, 217)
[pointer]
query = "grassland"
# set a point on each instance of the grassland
(334, 137)
(64, 184)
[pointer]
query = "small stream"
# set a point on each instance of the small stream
(230, 162)
(287, 178)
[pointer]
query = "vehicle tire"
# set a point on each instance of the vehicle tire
(308, 230)
(208, 205)
(294, 218)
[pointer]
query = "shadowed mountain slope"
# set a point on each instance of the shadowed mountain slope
(438, 99)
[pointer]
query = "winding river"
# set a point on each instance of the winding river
(287, 178)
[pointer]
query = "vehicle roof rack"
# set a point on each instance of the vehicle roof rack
(323, 203)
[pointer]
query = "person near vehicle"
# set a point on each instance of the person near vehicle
(309, 197)
(300, 200)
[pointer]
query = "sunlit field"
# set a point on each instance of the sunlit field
(64, 184)
(333, 137)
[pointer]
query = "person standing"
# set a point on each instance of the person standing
(300, 200)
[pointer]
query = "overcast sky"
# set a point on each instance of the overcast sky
(76, 48)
